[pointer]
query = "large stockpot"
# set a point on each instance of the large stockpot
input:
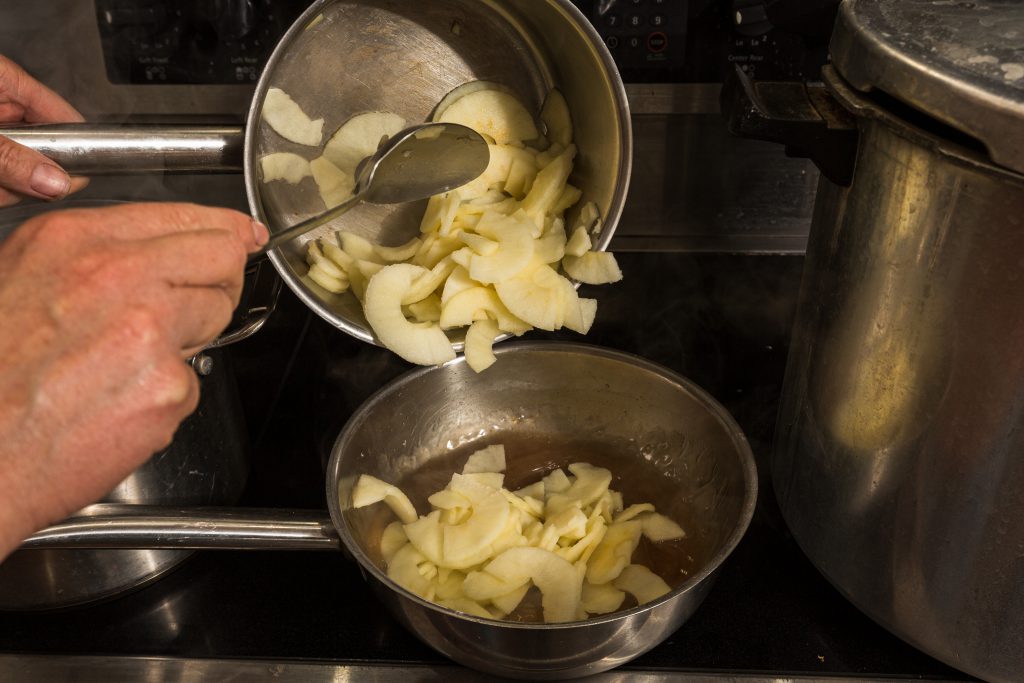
(346, 57)
(666, 440)
(204, 465)
(898, 459)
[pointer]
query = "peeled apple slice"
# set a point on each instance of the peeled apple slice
(369, 490)
(580, 243)
(613, 554)
(641, 583)
(601, 598)
(658, 527)
(479, 347)
(402, 252)
(489, 459)
(288, 120)
(559, 583)
(425, 344)
(534, 296)
(285, 166)
(556, 118)
(491, 112)
(548, 186)
(590, 484)
(462, 544)
(335, 185)
(634, 511)
(359, 137)
(404, 569)
(391, 540)
(593, 268)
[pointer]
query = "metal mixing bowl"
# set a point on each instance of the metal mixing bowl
(666, 441)
(344, 57)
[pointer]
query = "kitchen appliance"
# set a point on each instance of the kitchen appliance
(711, 242)
(897, 464)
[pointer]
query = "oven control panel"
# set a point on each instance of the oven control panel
(205, 42)
(191, 42)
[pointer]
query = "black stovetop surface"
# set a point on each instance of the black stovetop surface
(721, 320)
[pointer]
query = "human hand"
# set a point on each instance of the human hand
(25, 172)
(101, 307)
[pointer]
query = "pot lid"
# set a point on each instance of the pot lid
(958, 61)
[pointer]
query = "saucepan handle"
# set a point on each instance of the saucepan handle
(114, 149)
(802, 116)
(152, 527)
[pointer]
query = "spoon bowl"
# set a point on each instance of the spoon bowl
(417, 163)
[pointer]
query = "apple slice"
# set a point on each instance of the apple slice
(489, 459)
(593, 268)
(425, 344)
(549, 185)
(510, 601)
(426, 310)
(634, 511)
(601, 598)
(404, 569)
(557, 119)
(285, 166)
(466, 544)
(403, 252)
(641, 583)
(580, 243)
(369, 490)
(514, 253)
(429, 282)
(359, 137)
(287, 119)
(590, 484)
(482, 585)
(614, 552)
(534, 296)
(463, 604)
(494, 113)
(391, 540)
(335, 186)
(658, 527)
(559, 583)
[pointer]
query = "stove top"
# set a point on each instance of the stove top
(721, 320)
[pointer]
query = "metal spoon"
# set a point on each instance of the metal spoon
(417, 163)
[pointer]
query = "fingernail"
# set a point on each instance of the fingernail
(50, 181)
(260, 233)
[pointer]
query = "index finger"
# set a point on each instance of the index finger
(149, 220)
(40, 104)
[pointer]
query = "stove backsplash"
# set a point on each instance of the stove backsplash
(695, 187)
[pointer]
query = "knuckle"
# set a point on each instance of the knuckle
(140, 329)
(10, 157)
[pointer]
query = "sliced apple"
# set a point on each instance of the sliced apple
(601, 598)
(593, 268)
(425, 344)
(557, 119)
(369, 490)
(614, 552)
(590, 484)
(658, 527)
(641, 583)
(403, 252)
(426, 310)
(488, 459)
(580, 243)
(549, 185)
(287, 119)
(559, 583)
(391, 539)
(335, 186)
(404, 569)
(634, 511)
(492, 112)
(514, 253)
(510, 601)
(285, 166)
(534, 296)
(359, 137)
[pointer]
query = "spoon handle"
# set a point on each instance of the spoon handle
(301, 228)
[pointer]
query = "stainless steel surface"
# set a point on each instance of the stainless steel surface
(205, 465)
(897, 463)
(657, 431)
(95, 149)
(959, 62)
(153, 527)
(423, 51)
(95, 669)
(416, 164)
(673, 98)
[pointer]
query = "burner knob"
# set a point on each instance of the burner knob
(751, 17)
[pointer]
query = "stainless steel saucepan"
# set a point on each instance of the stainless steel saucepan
(344, 57)
(666, 440)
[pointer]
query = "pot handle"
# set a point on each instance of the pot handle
(802, 116)
(152, 527)
(114, 149)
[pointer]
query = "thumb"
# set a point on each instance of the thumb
(26, 172)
